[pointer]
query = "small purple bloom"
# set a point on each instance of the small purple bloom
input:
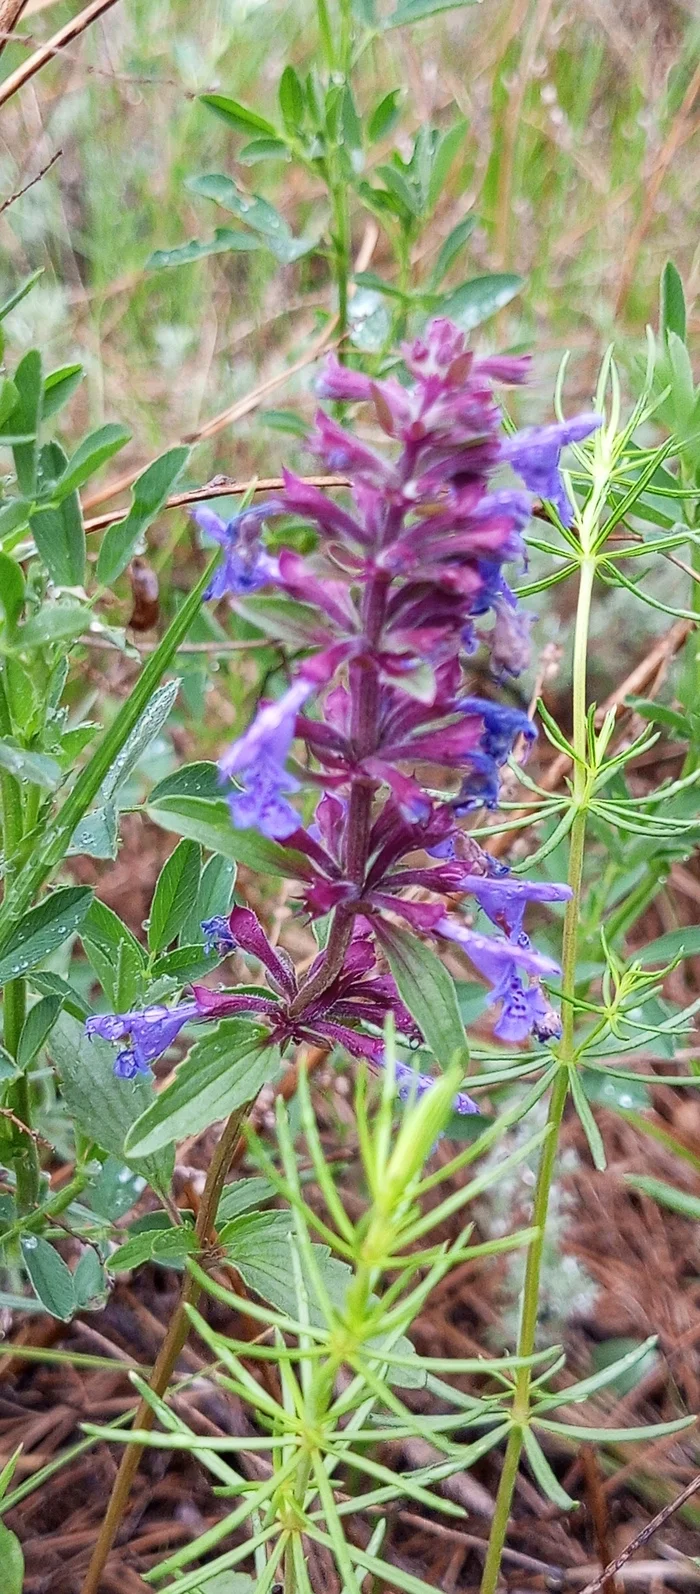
(217, 935)
(534, 454)
(410, 1086)
(150, 1031)
(258, 758)
(503, 963)
(246, 566)
(502, 726)
(510, 638)
(505, 899)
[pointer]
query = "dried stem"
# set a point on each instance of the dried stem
(53, 46)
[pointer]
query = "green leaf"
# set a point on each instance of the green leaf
(255, 212)
(258, 1244)
(428, 991)
(20, 293)
(59, 386)
(454, 241)
(604, 1090)
(51, 1279)
(115, 955)
(60, 539)
(176, 890)
(116, 1190)
(36, 1028)
(93, 452)
(672, 303)
(145, 731)
(666, 1195)
(42, 930)
(11, 1560)
(291, 98)
(213, 898)
(240, 1196)
(148, 494)
(221, 1072)
(190, 780)
(225, 241)
(38, 768)
(104, 1107)
(210, 823)
(97, 835)
(185, 963)
(480, 298)
(447, 148)
(385, 115)
(262, 149)
(55, 622)
(588, 1123)
(25, 420)
(611, 1372)
(417, 10)
(9, 397)
(166, 1246)
(627, 1361)
(667, 947)
(50, 984)
(11, 589)
(238, 115)
(543, 1474)
(89, 1282)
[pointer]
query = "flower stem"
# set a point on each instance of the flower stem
(171, 1347)
(560, 1090)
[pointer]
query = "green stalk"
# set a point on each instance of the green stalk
(54, 844)
(560, 1090)
(25, 1157)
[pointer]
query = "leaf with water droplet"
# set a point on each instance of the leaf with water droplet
(42, 930)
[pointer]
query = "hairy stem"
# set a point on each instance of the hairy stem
(175, 1338)
(24, 1154)
(545, 1173)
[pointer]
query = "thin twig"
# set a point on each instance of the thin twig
(641, 1538)
(19, 192)
(235, 412)
(72, 30)
(10, 13)
(218, 487)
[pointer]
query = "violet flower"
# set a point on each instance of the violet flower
(149, 1030)
(503, 963)
(258, 758)
(534, 454)
(246, 566)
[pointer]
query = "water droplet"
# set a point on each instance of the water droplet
(29, 1242)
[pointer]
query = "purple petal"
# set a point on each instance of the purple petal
(534, 454)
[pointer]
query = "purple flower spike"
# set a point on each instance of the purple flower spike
(150, 1032)
(259, 758)
(534, 454)
(247, 566)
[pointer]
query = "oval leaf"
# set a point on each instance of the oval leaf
(222, 1072)
(428, 991)
(42, 930)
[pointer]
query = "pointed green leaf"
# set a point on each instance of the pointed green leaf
(25, 420)
(225, 241)
(480, 298)
(145, 731)
(211, 823)
(36, 1028)
(238, 116)
(667, 1195)
(176, 890)
(672, 306)
(42, 930)
(90, 455)
(59, 386)
(60, 539)
(588, 1123)
(221, 1072)
(148, 495)
(428, 991)
(543, 1474)
(612, 1373)
(51, 1279)
(11, 1560)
